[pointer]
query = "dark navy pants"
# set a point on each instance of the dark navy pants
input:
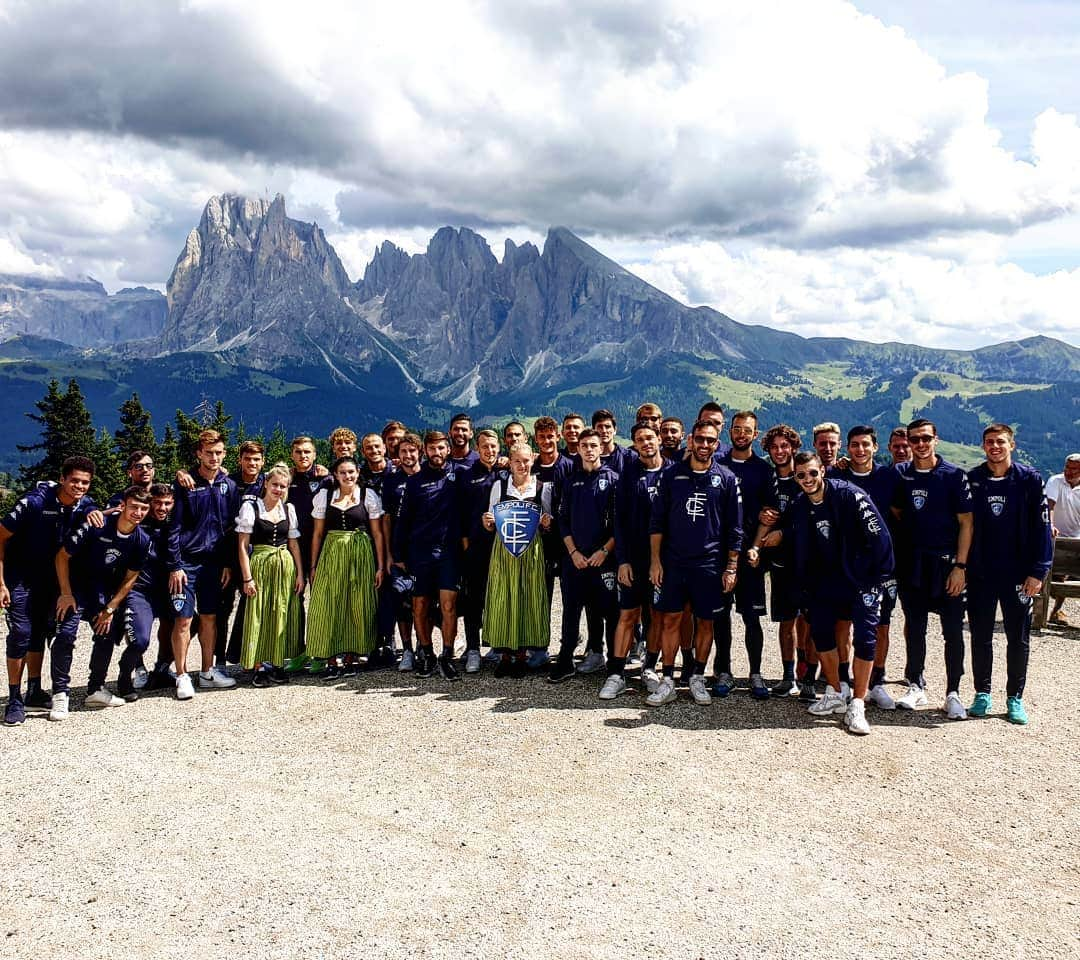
(583, 590)
(984, 598)
(917, 609)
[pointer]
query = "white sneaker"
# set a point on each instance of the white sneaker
(651, 679)
(59, 709)
(139, 680)
(831, 702)
(880, 698)
(216, 679)
(954, 709)
(613, 686)
(102, 698)
(472, 661)
(699, 690)
(593, 661)
(664, 693)
(914, 698)
(185, 690)
(855, 718)
(405, 664)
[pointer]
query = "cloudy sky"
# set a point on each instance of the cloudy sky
(884, 170)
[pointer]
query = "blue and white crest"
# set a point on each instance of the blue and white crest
(178, 602)
(716, 479)
(516, 523)
(313, 485)
(919, 502)
(222, 487)
(996, 508)
(602, 484)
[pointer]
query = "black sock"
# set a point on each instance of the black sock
(616, 665)
(15, 692)
(789, 669)
(699, 668)
(33, 685)
(669, 670)
(651, 658)
(845, 672)
(877, 675)
(811, 673)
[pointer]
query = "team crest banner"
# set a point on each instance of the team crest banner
(516, 522)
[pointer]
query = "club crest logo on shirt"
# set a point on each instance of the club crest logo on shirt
(313, 485)
(919, 497)
(516, 523)
(602, 484)
(996, 504)
(111, 556)
(716, 480)
(222, 487)
(695, 506)
(824, 527)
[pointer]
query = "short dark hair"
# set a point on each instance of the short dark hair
(781, 430)
(639, 426)
(599, 416)
(134, 457)
(744, 415)
(805, 456)
(898, 432)
(250, 446)
(159, 490)
(136, 493)
(391, 426)
(710, 406)
(71, 464)
(922, 422)
(701, 424)
(513, 423)
(459, 417)
(435, 436)
(586, 433)
(573, 415)
(673, 420)
(544, 423)
(862, 430)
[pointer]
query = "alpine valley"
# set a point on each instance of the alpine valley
(260, 313)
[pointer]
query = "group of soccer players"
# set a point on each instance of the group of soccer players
(657, 544)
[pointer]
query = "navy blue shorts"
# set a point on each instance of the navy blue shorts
(701, 587)
(862, 608)
(783, 596)
(31, 618)
(640, 592)
(434, 576)
(750, 590)
(202, 593)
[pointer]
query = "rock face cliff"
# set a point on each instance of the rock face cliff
(77, 312)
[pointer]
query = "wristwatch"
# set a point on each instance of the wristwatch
(109, 611)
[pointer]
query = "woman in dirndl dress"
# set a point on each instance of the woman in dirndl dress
(348, 559)
(516, 614)
(272, 581)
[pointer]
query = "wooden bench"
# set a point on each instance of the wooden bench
(1066, 564)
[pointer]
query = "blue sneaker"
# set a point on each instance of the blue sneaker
(538, 659)
(758, 689)
(980, 706)
(724, 684)
(15, 713)
(1014, 710)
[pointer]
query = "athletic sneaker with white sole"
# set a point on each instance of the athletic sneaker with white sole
(664, 693)
(102, 698)
(405, 664)
(699, 690)
(880, 698)
(650, 678)
(216, 679)
(593, 661)
(913, 699)
(954, 707)
(831, 702)
(472, 661)
(185, 689)
(59, 709)
(613, 686)
(855, 718)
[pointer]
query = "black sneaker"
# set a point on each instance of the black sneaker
(278, 675)
(262, 678)
(807, 693)
(350, 667)
(783, 688)
(125, 689)
(561, 671)
(160, 680)
(15, 713)
(424, 664)
(504, 667)
(519, 669)
(38, 700)
(445, 668)
(332, 671)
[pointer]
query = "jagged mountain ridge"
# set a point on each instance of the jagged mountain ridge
(77, 312)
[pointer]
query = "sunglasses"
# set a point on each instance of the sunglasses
(811, 474)
(919, 441)
(142, 466)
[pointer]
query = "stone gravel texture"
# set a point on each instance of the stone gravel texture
(388, 816)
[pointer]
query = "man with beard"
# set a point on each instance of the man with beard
(757, 484)
(475, 485)
(695, 538)
(392, 435)
(637, 488)
(461, 433)
(933, 506)
(671, 438)
(426, 541)
(1011, 553)
(843, 554)
(396, 602)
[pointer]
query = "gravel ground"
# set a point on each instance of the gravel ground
(395, 817)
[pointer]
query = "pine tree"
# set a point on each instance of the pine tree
(135, 431)
(187, 439)
(66, 431)
(277, 447)
(168, 458)
(110, 477)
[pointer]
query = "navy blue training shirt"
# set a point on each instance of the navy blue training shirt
(100, 559)
(39, 524)
(635, 492)
(1013, 539)
(202, 520)
(587, 510)
(928, 501)
(699, 514)
(428, 521)
(757, 485)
